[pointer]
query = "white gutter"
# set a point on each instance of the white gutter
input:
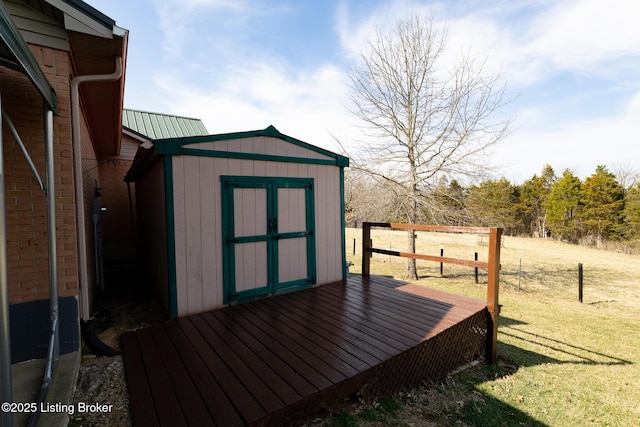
(77, 175)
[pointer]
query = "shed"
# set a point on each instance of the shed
(228, 218)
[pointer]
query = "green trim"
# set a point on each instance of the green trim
(293, 285)
(272, 237)
(311, 225)
(176, 146)
(228, 269)
(343, 161)
(345, 270)
(171, 236)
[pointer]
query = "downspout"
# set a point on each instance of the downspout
(79, 195)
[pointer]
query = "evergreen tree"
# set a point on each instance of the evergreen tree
(492, 203)
(533, 195)
(631, 212)
(602, 199)
(562, 207)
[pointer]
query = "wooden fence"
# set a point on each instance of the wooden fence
(492, 265)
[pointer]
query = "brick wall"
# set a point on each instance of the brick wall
(27, 245)
(117, 226)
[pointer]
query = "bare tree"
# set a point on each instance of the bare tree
(426, 121)
(626, 174)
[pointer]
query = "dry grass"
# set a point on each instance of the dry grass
(546, 268)
(562, 362)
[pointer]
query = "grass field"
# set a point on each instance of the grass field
(562, 362)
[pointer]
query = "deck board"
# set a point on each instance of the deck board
(210, 391)
(194, 409)
(267, 361)
(238, 350)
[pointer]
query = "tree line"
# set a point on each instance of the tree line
(602, 207)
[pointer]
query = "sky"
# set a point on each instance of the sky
(571, 68)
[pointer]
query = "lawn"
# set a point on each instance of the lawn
(562, 362)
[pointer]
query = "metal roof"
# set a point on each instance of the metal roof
(159, 126)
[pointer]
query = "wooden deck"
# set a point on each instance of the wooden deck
(274, 360)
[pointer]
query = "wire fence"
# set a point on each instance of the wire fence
(592, 281)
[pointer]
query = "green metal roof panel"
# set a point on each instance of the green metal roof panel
(160, 126)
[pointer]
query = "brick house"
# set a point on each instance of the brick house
(49, 50)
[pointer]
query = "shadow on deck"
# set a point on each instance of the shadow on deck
(278, 359)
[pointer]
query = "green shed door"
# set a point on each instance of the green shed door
(268, 232)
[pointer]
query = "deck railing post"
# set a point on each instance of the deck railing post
(493, 286)
(366, 249)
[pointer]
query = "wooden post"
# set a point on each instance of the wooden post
(580, 278)
(493, 288)
(366, 249)
(354, 247)
(475, 257)
(441, 255)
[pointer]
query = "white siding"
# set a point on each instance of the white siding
(128, 148)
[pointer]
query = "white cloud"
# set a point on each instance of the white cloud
(233, 86)
(584, 34)
(530, 40)
(355, 31)
(307, 106)
(579, 145)
(182, 22)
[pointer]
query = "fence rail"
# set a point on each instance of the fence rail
(492, 266)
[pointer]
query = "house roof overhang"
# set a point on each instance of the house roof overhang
(95, 44)
(102, 101)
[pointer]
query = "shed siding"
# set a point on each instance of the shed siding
(261, 145)
(198, 213)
